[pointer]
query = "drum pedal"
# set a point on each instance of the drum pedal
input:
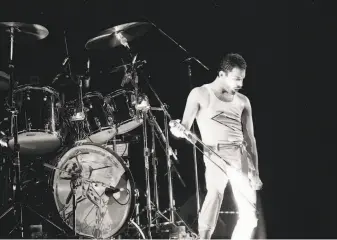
(36, 231)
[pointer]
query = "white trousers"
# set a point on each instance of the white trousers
(244, 195)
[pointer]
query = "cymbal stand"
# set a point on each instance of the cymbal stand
(17, 204)
(154, 158)
(79, 114)
(160, 135)
(167, 153)
(17, 195)
(154, 171)
(167, 117)
(147, 175)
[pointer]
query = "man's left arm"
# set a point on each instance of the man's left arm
(249, 137)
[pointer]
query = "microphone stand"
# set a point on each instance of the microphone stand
(197, 189)
(177, 44)
(188, 60)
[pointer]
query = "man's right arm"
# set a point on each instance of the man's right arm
(192, 107)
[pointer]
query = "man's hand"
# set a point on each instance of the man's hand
(255, 181)
(177, 129)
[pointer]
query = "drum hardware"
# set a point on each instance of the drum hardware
(147, 177)
(79, 113)
(130, 74)
(121, 148)
(4, 81)
(154, 158)
(63, 71)
(3, 143)
(188, 61)
(34, 31)
(77, 80)
(134, 221)
(165, 137)
(124, 67)
(150, 206)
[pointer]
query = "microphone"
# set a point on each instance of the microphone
(112, 190)
(87, 75)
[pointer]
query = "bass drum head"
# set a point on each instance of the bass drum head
(100, 213)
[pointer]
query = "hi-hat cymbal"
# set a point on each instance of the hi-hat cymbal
(118, 35)
(4, 81)
(32, 31)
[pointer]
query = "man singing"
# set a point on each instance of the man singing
(224, 118)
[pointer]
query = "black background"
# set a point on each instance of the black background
(290, 48)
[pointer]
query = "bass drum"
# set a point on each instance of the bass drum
(95, 172)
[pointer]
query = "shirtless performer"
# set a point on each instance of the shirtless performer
(224, 117)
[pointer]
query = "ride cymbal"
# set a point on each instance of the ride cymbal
(118, 35)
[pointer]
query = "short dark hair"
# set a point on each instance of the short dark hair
(230, 61)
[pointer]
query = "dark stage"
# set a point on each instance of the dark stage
(290, 49)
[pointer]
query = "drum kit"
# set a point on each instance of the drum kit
(90, 185)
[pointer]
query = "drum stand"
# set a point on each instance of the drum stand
(17, 204)
(168, 153)
(158, 214)
(147, 175)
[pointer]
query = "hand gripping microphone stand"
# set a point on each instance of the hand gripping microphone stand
(17, 204)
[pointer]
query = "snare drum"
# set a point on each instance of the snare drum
(39, 130)
(98, 124)
(120, 105)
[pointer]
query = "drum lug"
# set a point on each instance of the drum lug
(29, 124)
(110, 121)
(98, 123)
(131, 112)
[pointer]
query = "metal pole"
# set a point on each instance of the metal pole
(169, 173)
(154, 166)
(194, 151)
(147, 175)
(14, 120)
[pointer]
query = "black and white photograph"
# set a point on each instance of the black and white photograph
(143, 119)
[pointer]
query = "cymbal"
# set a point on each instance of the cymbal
(4, 81)
(33, 31)
(111, 37)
